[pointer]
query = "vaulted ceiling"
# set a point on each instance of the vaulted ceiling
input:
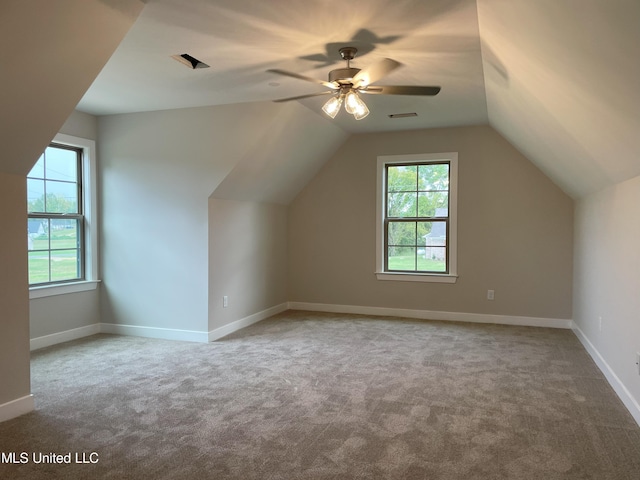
(562, 84)
(557, 78)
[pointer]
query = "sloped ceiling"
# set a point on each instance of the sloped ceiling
(49, 58)
(558, 79)
(284, 159)
(563, 85)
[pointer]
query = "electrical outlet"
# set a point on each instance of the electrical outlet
(600, 323)
(490, 294)
(638, 362)
(225, 301)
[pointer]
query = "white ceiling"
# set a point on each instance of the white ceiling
(557, 78)
(436, 41)
(563, 86)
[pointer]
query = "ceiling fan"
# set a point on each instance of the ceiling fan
(345, 85)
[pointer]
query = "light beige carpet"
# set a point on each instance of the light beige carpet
(320, 396)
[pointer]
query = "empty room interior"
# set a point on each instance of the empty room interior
(370, 239)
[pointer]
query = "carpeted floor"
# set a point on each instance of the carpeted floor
(321, 396)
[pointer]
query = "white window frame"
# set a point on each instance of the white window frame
(452, 275)
(90, 205)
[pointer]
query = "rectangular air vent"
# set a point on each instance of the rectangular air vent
(403, 115)
(189, 61)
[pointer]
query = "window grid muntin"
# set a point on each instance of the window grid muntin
(79, 217)
(417, 191)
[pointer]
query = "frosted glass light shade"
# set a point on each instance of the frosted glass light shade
(351, 102)
(361, 111)
(332, 106)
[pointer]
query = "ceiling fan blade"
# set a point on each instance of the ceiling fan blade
(303, 96)
(333, 86)
(401, 90)
(374, 72)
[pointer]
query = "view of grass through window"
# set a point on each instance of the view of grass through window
(416, 220)
(54, 230)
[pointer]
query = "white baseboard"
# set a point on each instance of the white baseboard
(433, 315)
(617, 385)
(154, 332)
(16, 407)
(245, 322)
(66, 336)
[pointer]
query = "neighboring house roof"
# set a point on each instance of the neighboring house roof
(439, 229)
(34, 225)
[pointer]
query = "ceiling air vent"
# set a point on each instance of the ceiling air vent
(403, 115)
(189, 61)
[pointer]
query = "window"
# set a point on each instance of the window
(416, 224)
(61, 214)
(56, 221)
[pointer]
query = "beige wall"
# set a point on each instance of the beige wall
(59, 313)
(514, 224)
(247, 259)
(157, 171)
(607, 278)
(14, 292)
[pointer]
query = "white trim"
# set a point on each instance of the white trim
(452, 158)
(245, 322)
(433, 315)
(155, 332)
(16, 407)
(62, 289)
(90, 213)
(617, 385)
(65, 336)
(416, 277)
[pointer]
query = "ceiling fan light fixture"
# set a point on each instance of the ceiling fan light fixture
(351, 102)
(332, 106)
(345, 83)
(361, 112)
(354, 105)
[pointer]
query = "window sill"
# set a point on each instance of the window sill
(63, 289)
(416, 277)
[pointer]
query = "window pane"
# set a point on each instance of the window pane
(435, 233)
(402, 205)
(402, 178)
(61, 164)
(433, 204)
(433, 177)
(401, 233)
(402, 258)
(433, 260)
(35, 195)
(38, 169)
(64, 265)
(62, 197)
(64, 233)
(37, 234)
(38, 267)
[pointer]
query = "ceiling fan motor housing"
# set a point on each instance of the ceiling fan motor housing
(343, 75)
